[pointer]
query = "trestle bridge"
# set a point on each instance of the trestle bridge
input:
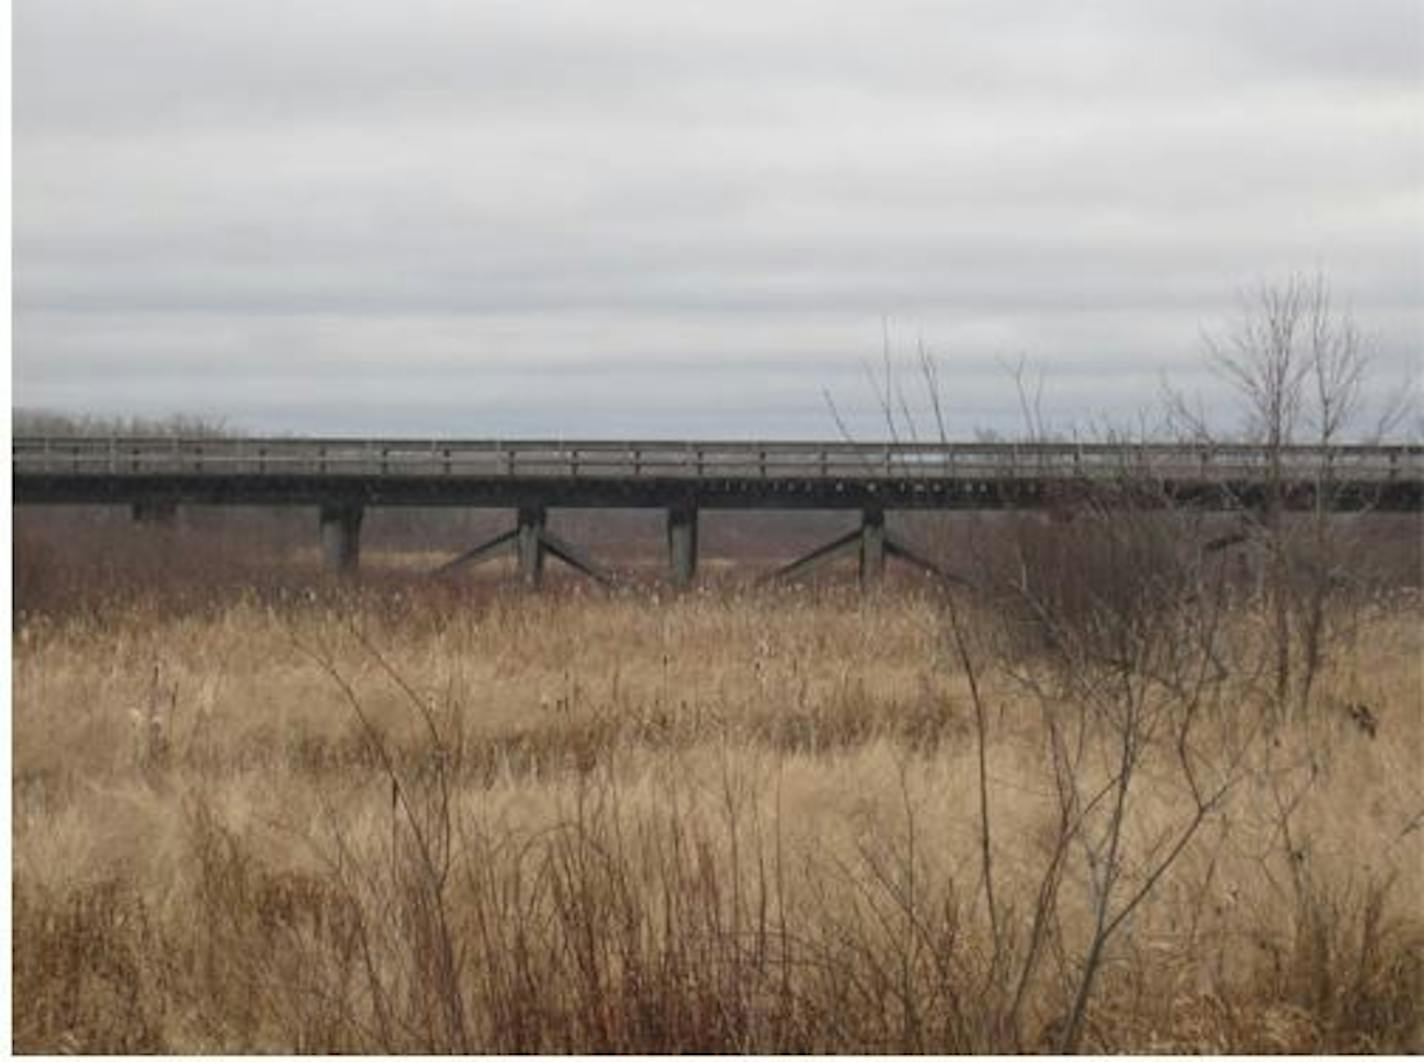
(342, 478)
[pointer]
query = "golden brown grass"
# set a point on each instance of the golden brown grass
(727, 822)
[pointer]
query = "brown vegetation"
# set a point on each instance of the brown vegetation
(1148, 782)
(399, 820)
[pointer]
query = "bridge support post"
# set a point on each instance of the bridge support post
(682, 543)
(341, 535)
(161, 512)
(872, 545)
(530, 544)
(531, 539)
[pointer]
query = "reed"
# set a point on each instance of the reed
(723, 822)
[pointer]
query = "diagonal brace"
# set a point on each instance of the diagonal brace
(483, 552)
(574, 557)
(847, 543)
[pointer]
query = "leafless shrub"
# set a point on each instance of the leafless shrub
(1298, 366)
(1123, 625)
(666, 876)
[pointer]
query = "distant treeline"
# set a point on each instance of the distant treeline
(50, 422)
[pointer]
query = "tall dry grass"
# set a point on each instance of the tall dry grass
(718, 822)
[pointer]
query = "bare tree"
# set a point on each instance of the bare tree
(1115, 625)
(1126, 632)
(1298, 364)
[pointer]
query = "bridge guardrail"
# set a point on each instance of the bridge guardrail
(595, 459)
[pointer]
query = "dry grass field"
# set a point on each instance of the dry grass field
(346, 820)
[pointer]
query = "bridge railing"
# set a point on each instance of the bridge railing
(599, 459)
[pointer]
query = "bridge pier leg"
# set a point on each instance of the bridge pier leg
(872, 545)
(163, 512)
(531, 544)
(341, 536)
(682, 543)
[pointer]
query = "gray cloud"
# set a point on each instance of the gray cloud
(645, 217)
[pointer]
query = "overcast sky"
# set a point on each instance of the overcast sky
(690, 219)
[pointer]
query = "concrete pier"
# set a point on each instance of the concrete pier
(872, 545)
(530, 544)
(341, 536)
(682, 543)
